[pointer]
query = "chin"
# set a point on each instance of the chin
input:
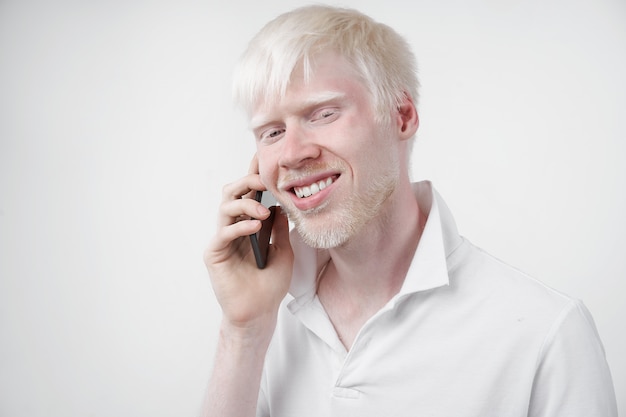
(327, 231)
(327, 239)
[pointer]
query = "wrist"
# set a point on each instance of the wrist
(254, 335)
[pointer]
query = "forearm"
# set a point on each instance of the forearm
(250, 297)
(234, 385)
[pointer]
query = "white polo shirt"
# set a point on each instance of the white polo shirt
(466, 336)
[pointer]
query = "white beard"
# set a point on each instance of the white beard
(326, 227)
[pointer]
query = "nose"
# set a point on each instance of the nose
(298, 147)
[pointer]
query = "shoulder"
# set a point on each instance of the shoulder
(477, 273)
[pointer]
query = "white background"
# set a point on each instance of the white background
(117, 133)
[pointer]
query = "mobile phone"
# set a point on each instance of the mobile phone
(260, 240)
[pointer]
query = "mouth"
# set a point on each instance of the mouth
(313, 188)
(310, 191)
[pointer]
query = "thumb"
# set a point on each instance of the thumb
(280, 230)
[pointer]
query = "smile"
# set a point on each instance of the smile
(316, 187)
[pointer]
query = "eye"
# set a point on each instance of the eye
(325, 115)
(274, 133)
(271, 135)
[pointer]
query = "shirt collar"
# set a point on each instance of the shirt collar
(428, 268)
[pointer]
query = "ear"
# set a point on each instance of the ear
(407, 119)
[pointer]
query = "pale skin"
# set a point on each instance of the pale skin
(321, 129)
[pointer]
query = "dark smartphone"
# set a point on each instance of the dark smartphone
(261, 240)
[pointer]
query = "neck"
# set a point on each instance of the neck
(370, 269)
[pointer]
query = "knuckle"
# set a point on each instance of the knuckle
(227, 191)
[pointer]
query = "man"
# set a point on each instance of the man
(373, 305)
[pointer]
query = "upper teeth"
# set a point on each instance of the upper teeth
(313, 188)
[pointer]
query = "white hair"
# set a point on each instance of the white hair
(380, 57)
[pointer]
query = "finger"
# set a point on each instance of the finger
(232, 211)
(254, 165)
(243, 186)
(230, 233)
(220, 248)
(253, 168)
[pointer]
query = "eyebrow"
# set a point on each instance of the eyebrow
(313, 100)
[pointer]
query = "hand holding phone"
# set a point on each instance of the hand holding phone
(260, 240)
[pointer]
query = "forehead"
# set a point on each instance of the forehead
(327, 77)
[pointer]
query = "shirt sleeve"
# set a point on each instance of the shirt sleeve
(573, 377)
